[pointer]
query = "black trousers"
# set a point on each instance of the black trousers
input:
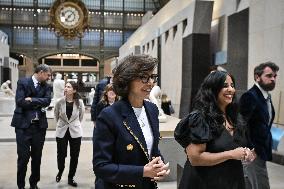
(75, 144)
(30, 142)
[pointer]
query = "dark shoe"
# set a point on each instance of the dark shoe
(21, 187)
(58, 177)
(34, 187)
(71, 182)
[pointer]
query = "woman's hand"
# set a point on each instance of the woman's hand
(150, 170)
(156, 169)
(250, 155)
(238, 153)
(165, 171)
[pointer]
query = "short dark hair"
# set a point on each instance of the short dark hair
(258, 70)
(42, 67)
(129, 69)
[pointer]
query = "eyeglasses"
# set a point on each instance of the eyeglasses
(145, 78)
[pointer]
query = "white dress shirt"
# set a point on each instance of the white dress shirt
(267, 96)
(36, 82)
(145, 127)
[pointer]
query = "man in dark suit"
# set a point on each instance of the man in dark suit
(257, 109)
(32, 96)
(98, 94)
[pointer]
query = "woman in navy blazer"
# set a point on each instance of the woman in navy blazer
(125, 141)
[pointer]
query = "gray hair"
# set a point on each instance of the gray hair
(42, 67)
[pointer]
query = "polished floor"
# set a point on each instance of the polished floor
(84, 175)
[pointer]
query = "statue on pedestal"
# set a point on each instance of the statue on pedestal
(58, 87)
(91, 96)
(7, 100)
(155, 97)
(6, 89)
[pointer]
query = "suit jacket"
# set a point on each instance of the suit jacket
(25, 110)
(99, 107)
(98, 94)
(119, 148)
(63, 123)
(253, 107)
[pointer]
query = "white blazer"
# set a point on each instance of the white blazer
(74, 123)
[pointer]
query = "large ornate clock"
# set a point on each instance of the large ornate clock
(69, 18)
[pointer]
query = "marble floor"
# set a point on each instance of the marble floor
(84, 175)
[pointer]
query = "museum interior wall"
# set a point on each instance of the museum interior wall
(266, 34)
(242, 34)
(174, 22)
(264, 42)
(186, 36)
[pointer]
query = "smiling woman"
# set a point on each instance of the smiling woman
(214, 138)
(126, 137)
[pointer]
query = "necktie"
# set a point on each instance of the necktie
(269, 108)
(38, 87)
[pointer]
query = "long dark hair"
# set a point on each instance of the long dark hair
(76, 95)
(206, 98)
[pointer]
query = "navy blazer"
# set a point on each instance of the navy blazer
(25, 110)
(98, 94)
(119, 148)
(254, 109)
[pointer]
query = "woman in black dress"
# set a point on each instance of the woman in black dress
(213, 138)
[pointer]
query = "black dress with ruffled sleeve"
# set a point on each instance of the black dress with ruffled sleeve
(226, 175)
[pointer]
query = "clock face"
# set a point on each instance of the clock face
(69, 15)
(69, 18)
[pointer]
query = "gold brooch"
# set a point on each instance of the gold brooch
(129, 147)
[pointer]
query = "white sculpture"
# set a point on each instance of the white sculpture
(58, 87)
(155, 97)
(91, 96)
(6, 89)
(58, 92)
(7, 100)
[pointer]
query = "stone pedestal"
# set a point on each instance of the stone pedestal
(170, 149)
(167, 128)
(50, 119)
(7, 105)
(172, 153)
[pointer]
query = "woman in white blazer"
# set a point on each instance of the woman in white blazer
(68, 114)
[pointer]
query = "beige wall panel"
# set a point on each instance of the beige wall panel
(171, 67)
(266, 43)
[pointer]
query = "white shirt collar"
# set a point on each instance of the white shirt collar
(264, 93)
(36, 82)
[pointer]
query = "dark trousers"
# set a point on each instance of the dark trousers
(62, 144)
(256, 175)
(30, 142)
